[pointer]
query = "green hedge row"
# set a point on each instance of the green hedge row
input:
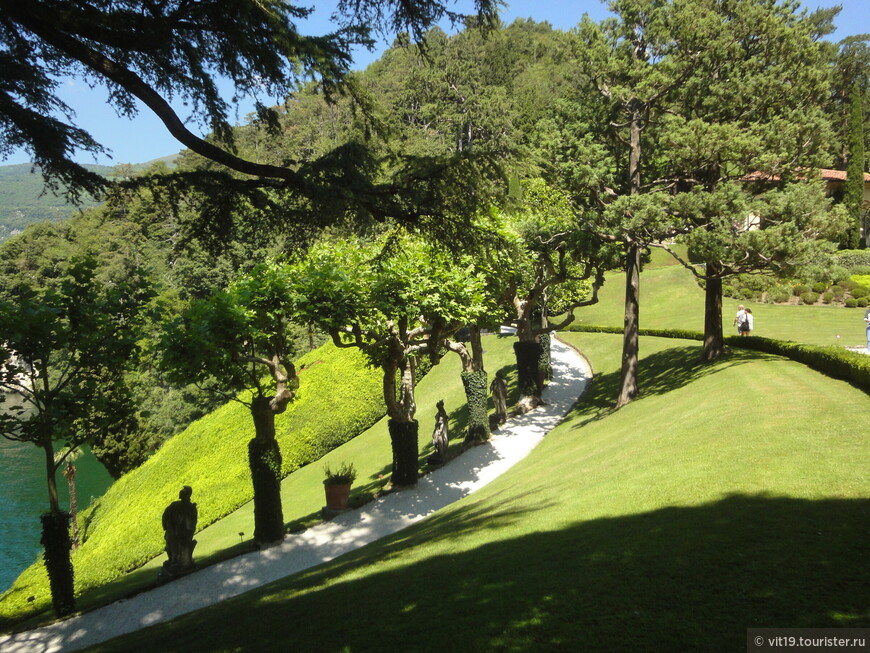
(338, 398)
(834, 361)
(658, 333)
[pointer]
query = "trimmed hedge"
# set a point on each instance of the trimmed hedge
(834, 361)
(338, 398)
(657, 333)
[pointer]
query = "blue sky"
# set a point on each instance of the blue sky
(144, 138)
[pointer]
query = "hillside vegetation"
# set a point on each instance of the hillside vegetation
(338, 398)
(729, 495)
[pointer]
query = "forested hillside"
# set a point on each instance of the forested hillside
(24, 199)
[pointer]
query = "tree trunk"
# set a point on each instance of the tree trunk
(476, 388)
(630, 348)
(70, 474)
(264, 458)
(55, 540)
(714, 342)
(402, 426)
(528, 354)
(545, 369)
(403, 437)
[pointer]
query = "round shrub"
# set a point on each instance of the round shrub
(862, 302)
(839, 292)
(860, 291)
(827, 298)
(746, 293)
(838, 273)
(728, 290)
(778, 294)
(809, 297)
(851, 303)
(799, 290)
(820, 287)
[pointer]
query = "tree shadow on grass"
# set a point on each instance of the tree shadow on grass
(676, 579)
(658, 374)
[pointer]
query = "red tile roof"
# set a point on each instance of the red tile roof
(826, 174)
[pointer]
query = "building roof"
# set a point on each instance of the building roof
(826, 174)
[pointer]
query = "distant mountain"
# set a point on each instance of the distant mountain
(25, 200)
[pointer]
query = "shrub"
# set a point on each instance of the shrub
(839, 273)
(861, 279)
(728, 290)
(839, 292)
(851, 303)
(853, 258)
(819, 287)
(860, 291)
(809, 298)
(828, 297)
(799, 290)
(747, 293)
(862, 302)
(861, 271)
(778, 294)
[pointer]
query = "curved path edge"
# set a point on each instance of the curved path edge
(321, 543)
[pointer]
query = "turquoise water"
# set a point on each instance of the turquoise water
(24, 496)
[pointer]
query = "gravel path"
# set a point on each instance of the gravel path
(323, 542)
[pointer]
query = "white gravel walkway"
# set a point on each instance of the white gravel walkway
(346, 532)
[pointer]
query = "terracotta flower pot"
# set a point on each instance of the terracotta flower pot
(337, 495)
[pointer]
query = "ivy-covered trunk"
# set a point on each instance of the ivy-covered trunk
(545, 369)
(58, 564)
(475, 384)
(714, 342)
(264, 458)
(403, 436)
(56, 542)
(402, 425)
(528, 355)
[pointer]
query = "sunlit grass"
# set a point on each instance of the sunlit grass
(729, 495)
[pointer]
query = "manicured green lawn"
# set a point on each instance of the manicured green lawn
(671, 299)
(729, 495)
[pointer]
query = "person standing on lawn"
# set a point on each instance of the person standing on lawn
(740, 318)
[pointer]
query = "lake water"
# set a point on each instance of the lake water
(24, 497)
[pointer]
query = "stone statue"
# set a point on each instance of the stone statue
(440, 436)
(179, 524)
(498, 390)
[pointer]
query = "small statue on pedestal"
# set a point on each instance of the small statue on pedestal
(440, 436)
(498, 390)
(179, 524)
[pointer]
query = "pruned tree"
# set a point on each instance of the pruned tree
(241, 337)
(548, 266)
(396, 300)
(63, 346)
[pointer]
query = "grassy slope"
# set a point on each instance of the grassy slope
(728, 496)
(122, 529)
(302, 491)
(670, 298)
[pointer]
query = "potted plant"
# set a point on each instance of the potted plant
(337, 484)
